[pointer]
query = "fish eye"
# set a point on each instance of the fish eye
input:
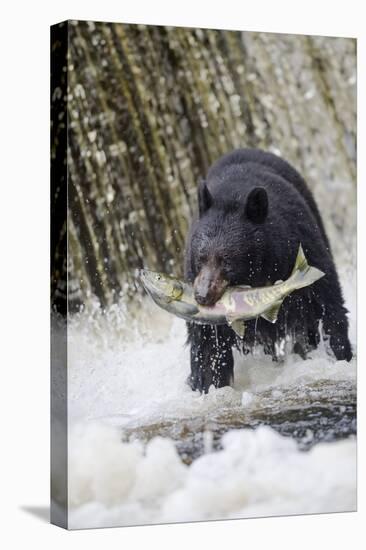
(158, 277)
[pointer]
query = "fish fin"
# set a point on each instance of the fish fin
(238, 327)
(301, 263)
(304, 274)
(271, 313)
(279, 282)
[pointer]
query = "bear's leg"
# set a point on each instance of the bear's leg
(301, 347)
(273, 339)
(270, 348)
(307, 340)
(335, 325)
(211, 356)
(314, 336)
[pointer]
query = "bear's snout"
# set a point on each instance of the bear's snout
(209, 286)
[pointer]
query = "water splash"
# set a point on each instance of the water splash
(128, 396)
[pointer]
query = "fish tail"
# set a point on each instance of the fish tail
(303, 274)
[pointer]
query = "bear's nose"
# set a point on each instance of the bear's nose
(208, 299)
(209, 286)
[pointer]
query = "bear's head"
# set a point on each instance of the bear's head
(228, 241)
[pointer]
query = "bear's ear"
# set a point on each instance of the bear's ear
(204, 198)
(257, 205)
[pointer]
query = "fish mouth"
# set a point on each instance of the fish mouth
(144, 279)
(148, 281)
(154, 290)
(141, 274)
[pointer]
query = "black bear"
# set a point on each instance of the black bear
(254, 211)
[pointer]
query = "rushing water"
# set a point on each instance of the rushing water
(144, 448)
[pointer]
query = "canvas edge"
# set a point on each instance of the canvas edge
(58, 274)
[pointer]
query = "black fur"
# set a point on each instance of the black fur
(254, 211)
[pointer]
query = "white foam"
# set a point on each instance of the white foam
(257, 473)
